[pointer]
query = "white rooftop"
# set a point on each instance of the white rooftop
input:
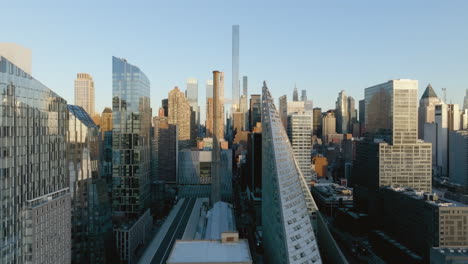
(220, 219)
(205, 251)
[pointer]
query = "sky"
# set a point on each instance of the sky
(320, 46)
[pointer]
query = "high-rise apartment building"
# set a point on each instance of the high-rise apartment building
(300, 133)
(341, 113)
(91, 208)
(283, 110)
(403, 160)
(180, 115)
(131, 123)
(84, 92)
(235, 69)
(35, 212)
(255, 111)
(458, 166)
(288, 232)
(244, 109)
(352, 113)
(317, 122)
(426, 111)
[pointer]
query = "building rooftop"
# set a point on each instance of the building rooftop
(206, 251)
(220, 219)
(429, 92)
(431, 198)
(452, 251)
(333, 191)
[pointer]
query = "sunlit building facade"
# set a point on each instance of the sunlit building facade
(84, 92)
(34, 183)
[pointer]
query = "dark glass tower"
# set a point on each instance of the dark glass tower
(130, 139)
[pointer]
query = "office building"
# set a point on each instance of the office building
(403, 159)
(295, 94)
(352, 113)
(421, 221)
(447, 119)
(317, 122)
(362, 117)
(180, 114)
(288, 236)
(131, 116)
(255, 114)
(165, 150)
(192, 97)
(300, 134)
(328, 124)
(34, 171)
(341, 113)
(454, 255)
(235, 68)
(91, 209)
(304, 95)
(426, 111)
(458, 146)
(84, 92)
(238, 121)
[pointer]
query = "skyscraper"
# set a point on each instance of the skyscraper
(447, 119)
(304, 95)
(458, 166)
(426, 111)
(288, 235)
(295, 94)
(165, 150)
(91, 208)
(84, 92)
(165, 106)
(317, 122)
(341, 113)
(180, 115)
(218, 134)
(255, 114)
(192, 97)
(328, 124)
(300, 133)
(209, 117)
(403, 160)
(209, 89)
(245, 86)
(362, 117)
(131, 122)
(35, 205)
(352, 114)
(235, 68)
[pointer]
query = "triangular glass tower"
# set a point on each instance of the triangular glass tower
(288, 209)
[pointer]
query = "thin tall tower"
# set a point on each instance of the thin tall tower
(218, 115)
(235, 68)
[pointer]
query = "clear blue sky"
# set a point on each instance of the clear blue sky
(323, 46)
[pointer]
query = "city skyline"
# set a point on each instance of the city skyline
(312, 60)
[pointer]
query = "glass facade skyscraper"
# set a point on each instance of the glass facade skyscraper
(34, 182)
(131, 121)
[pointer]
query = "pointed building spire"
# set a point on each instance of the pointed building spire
(429, 92)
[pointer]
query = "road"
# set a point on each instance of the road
(176, 231)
